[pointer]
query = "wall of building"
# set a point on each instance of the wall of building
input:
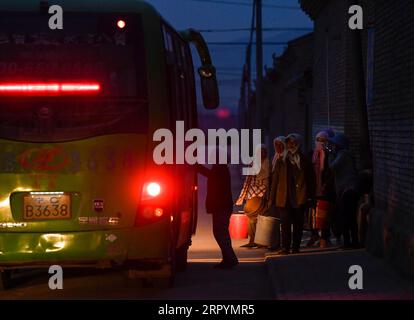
(390, 115)
(334, 92)
(391, 119)
(288, 91)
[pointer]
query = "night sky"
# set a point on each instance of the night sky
(229, 60)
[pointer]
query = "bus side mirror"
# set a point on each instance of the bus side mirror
(207, 72)
(209, 87)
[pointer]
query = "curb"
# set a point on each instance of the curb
(276, 295)
(280, 292)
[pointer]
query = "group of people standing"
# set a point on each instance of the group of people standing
(294, 182)
(286, 188)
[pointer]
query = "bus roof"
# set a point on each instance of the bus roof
(114, 6)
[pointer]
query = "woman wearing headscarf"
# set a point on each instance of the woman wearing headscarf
(291, 189)
(254, 193)
(280, 150)
(324, 189)
(342, 162)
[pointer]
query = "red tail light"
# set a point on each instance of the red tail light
(158, 212)
(48, 88)
(121, 24)
(148, 214)
(151, 208)
(151, 190)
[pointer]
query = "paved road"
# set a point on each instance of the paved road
(325, 276)
(249, 280)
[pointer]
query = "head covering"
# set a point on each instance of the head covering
(318, 160)
(282, 155)
(329, 131)
(293, 154)
(340, 140)
(298, 138)
(321, 134)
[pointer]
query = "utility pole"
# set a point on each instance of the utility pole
(259, 64)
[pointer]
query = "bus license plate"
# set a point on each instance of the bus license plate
(47, 207)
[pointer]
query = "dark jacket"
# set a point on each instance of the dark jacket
(304, 183)
(328, 179)
(344, 168)
(219, 197)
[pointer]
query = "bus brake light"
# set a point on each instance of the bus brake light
(48, 88)
(153, 189)
(121, 24)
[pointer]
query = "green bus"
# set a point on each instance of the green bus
(78, 109)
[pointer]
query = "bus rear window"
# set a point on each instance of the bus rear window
(85, 80)
(89, 49)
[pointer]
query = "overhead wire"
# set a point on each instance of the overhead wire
(238, 3)
(248, 29)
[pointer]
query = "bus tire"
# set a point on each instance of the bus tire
(181, 259)
(167, 281)
(5, 279)
(170, 279)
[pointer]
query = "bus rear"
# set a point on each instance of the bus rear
(78, 109)
(74, 123)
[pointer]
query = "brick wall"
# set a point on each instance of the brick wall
(288, 91)
(334, 93)
(391, 119)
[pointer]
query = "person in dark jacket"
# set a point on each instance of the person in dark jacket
(324, 183)
(292, 187)
(219, 203)
(342, 162)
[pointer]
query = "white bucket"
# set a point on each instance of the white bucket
(267, 231)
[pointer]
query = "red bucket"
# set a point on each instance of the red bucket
(321, 214)
(238, 226)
